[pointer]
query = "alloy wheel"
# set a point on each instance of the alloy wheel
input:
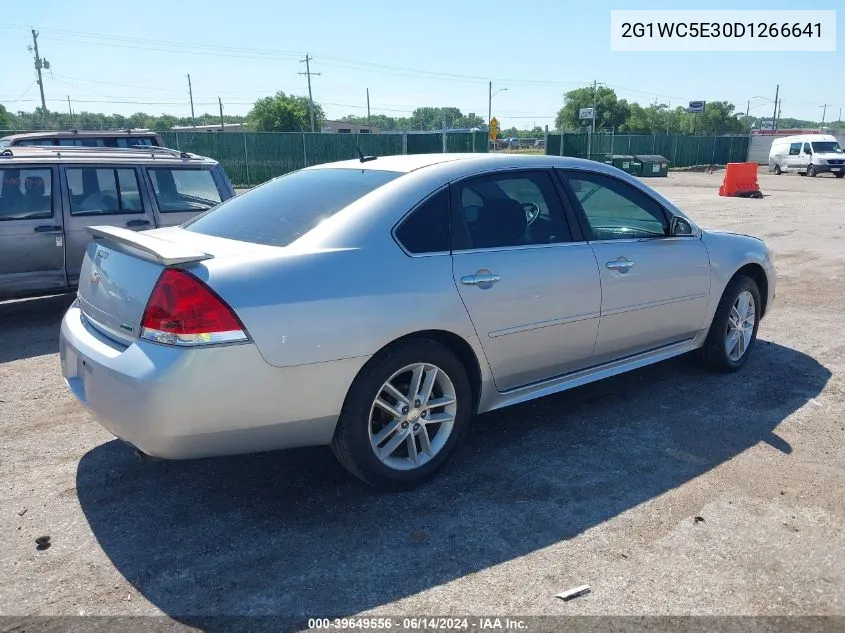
(412, 416)
(740, 326)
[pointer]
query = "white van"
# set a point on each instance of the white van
(808, 154)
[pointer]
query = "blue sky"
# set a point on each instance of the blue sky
(104, 53)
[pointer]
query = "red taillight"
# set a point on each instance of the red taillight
(182, 310)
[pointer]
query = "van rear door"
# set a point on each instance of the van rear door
(104, 195)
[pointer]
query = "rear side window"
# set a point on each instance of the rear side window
(97, 191)
(25, 194)
(285, 209)
(133, 141)
(184, 189)
(794, 149)
(426, 230)
(81, 142)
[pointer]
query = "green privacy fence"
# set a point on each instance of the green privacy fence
(682, 151)
(251, 158)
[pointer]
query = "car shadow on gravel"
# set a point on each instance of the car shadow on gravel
(289, 533)
(30, 327)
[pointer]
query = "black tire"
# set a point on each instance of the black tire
(776, 171)
(713, 353)
(351, 441)
(839, 174)
(811, 171)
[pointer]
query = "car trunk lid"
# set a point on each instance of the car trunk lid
(119, 272)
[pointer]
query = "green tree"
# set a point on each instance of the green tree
(654, 119)
(283, 113)
(379, 121)
(7, 121)
(165, 122)
(718, 118)
(610, 111)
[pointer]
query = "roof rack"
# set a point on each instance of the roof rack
(72, 149)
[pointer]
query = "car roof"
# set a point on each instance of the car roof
(805, 137)
(460, 162)
(78, 134)
(134, 155)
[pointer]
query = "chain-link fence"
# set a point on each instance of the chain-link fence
(251, 158)
(682, 151)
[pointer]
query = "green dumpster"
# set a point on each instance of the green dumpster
(654, 165)
(626, 163)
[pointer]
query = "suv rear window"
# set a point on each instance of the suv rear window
(184, 189)
(285, 209)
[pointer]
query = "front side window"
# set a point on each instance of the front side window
(184, 189)
(615, 210)
(25, 194)
(286, 208)
(508, 209)
(103, 191)
(807, 149)
(827, 147)
(426, 230)
(33, 142)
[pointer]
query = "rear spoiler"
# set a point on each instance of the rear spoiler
(164, 252)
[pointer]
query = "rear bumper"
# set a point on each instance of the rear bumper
(178, 403)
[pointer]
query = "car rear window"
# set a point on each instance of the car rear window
(181, 189)
(285, 209)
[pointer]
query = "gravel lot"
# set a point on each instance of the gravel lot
(600, 485)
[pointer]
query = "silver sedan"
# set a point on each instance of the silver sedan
(376, 305)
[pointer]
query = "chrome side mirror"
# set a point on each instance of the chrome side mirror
(679, 227)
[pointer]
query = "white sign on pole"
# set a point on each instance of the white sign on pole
(696, 106)
(767, 124)
(586, 113)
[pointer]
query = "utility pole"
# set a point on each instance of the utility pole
(747, 112)
(70, 110)
(824, 113)
(489, 103)
(308, 73)
(39, 64)
(222, 125)
(775, 111)
(191, 96)
(594, 106)
(780, 108)
(368, 107)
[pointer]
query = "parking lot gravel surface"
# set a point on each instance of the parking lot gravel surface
(600, 485)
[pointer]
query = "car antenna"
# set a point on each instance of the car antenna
(362, 158)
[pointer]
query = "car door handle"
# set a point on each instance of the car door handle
(48, 228)
(481, 278)
(138, 223)
(621, 265)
